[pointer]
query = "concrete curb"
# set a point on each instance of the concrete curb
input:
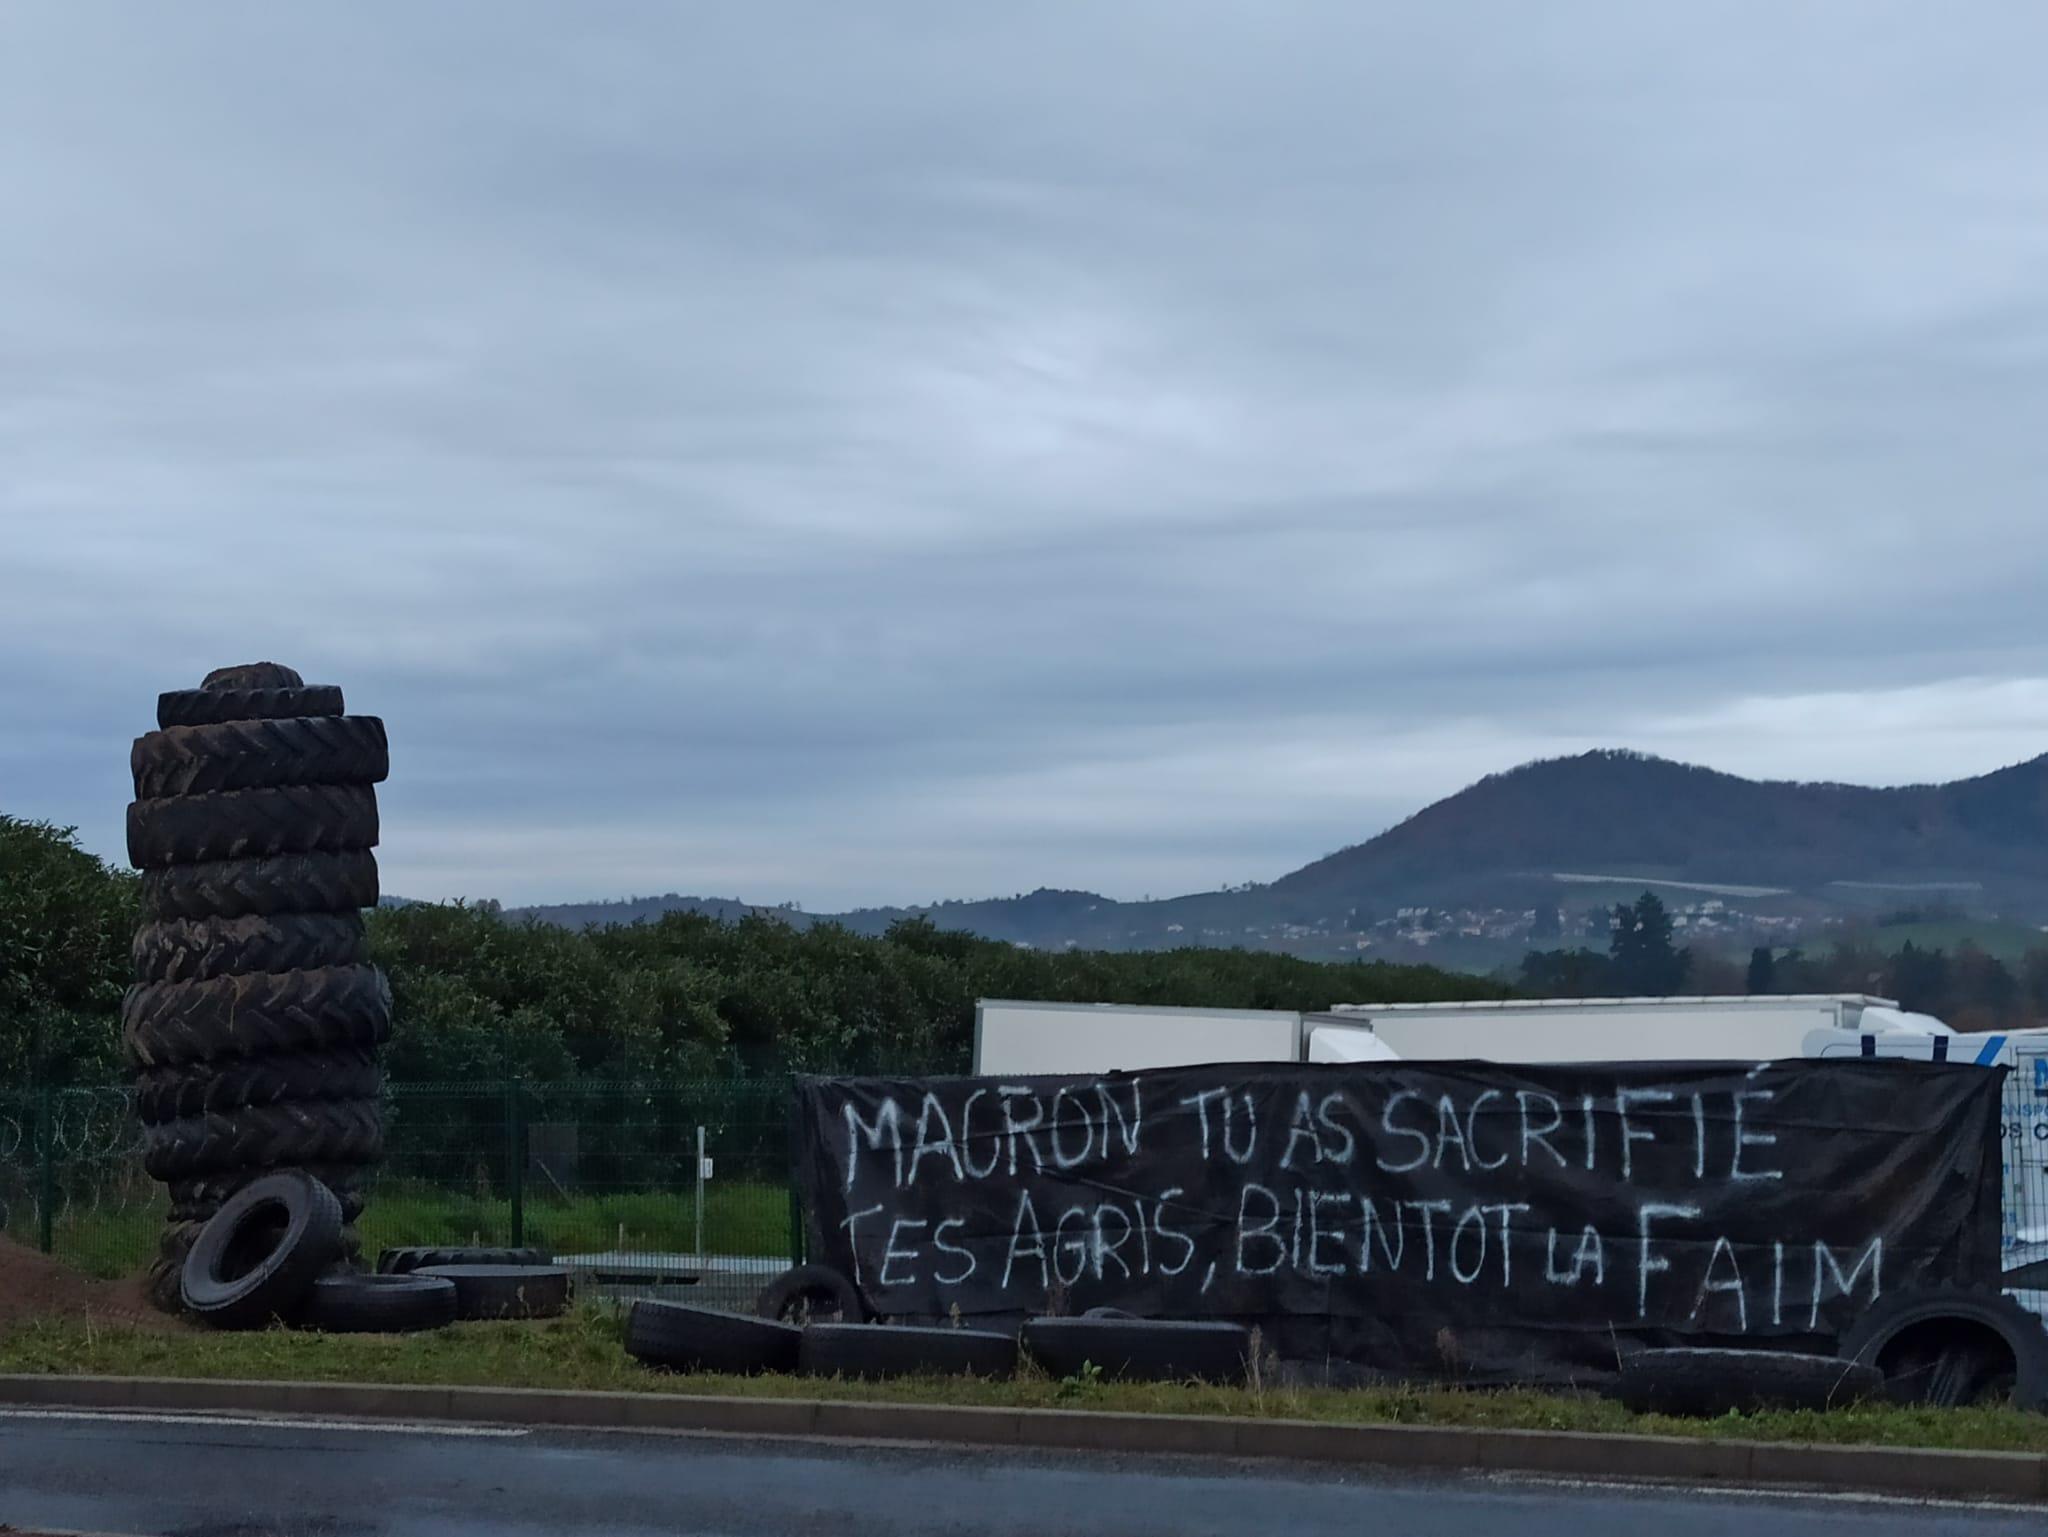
(2015, 1476)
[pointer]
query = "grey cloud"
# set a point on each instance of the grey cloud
(885, 452)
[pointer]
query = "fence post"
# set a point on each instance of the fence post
(796, 1205)
(699, 1250)
(46, 1168)
(796, 1225)
(515, 1159)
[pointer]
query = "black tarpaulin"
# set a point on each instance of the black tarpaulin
(1473, 1221)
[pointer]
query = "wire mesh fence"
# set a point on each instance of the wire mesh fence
(643, 1189)
(676, 1190)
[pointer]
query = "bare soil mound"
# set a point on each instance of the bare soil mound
(34, 1286)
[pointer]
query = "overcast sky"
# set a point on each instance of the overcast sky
(882, 452)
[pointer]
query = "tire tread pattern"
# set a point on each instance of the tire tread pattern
(251, 824)
(407, 1258)
(199, 949)
(195, 1198)
(160, 1280)
(170, 1094)
(260, 754)
(237, 888)
(215, 706)
(277, 1286)
(167, 1023)
(268, 1136)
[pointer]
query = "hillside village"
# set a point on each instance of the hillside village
(1712, 919)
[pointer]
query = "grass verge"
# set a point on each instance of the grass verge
(740, 1217)
(584, 1350)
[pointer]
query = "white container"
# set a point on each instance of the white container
(1013, 1038)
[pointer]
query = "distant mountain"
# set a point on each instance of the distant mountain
(1530, 857)
(1648, 817)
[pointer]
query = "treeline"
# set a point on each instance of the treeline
(689, 996)
(479, 996)
(65, 923)
(1968, 989)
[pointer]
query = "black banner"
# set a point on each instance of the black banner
(1477, 1221)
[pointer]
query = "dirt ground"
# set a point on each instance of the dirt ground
(34, 1286)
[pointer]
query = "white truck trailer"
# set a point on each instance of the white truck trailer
(1020, 1037)
(1012, 1038)
(1749, 1029)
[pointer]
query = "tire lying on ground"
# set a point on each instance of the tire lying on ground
(200, 949)
(1951, 1346)
(164, 1024)
(257, 1257)
(693, 1339)
(1710, 1383)
(887, 1350)
(803, 1294)
(251, 824)
(504, 1291)
(1140, 1349)
(212, 706)
(166, 1094)
(405, 1259)
(347, 1303)
(235, 888)
(265, 1136)
(260, 754)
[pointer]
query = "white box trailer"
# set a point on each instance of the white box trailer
(1012, 1037)
(1823, 1026)
(1016, 1038)
(1751, 1029)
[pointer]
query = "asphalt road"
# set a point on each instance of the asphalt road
(226, 1478)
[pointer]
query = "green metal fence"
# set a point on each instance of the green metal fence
(667, 1189)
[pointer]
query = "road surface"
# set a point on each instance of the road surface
(197, 1477)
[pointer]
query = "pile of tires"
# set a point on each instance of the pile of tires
(677, 1336)
(255, 1018)
(489, 1282)
(273, 1254)
(811, 1321)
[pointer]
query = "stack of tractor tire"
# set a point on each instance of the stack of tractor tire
(255, 1018)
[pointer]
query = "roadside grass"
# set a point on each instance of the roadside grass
(740, 1217)
(106, 1242)
(584, 1350)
